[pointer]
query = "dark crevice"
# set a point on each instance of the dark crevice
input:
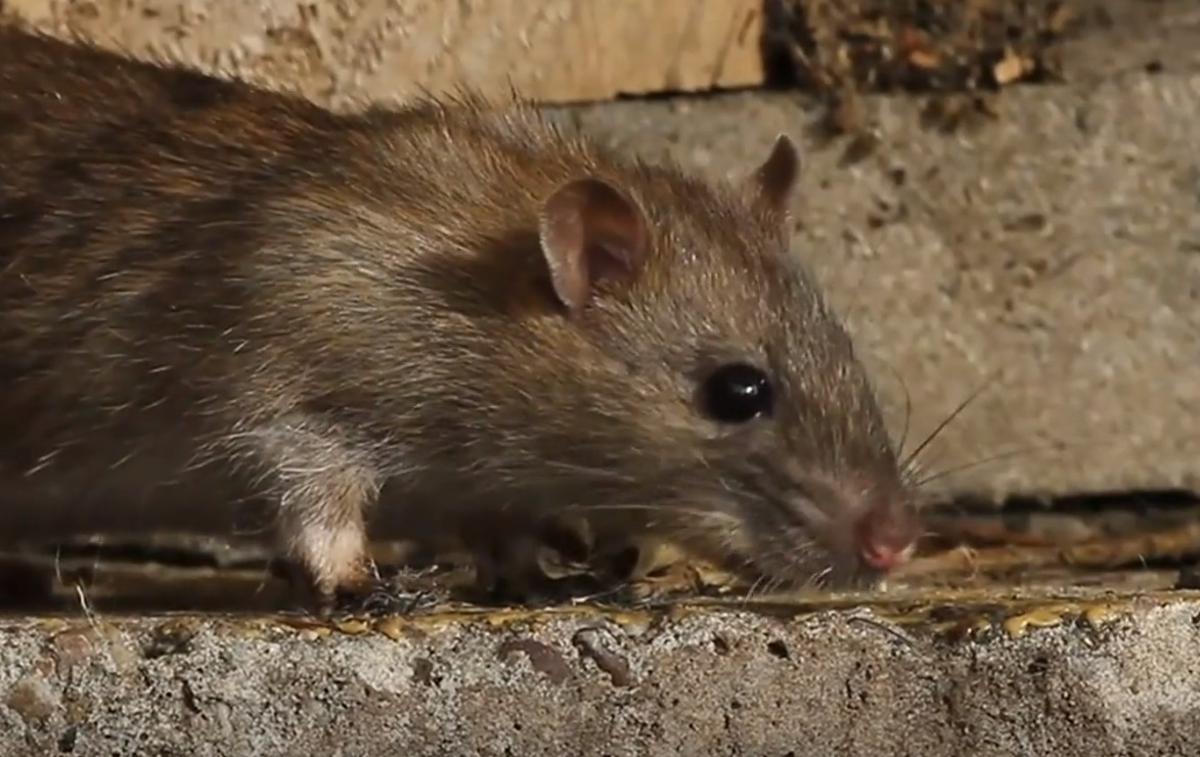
(1130, 501)
(779, 649)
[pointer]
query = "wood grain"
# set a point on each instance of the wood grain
(349, 51)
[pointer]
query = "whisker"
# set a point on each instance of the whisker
(911, 470)
(974, 464)
(818, 580)
(764, 586)
(588, 469)
(770, 587)
(907, 409)
(753, 587)
(949, 419)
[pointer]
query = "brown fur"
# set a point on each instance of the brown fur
(214, 295)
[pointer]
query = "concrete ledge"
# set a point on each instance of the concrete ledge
(1077, 676)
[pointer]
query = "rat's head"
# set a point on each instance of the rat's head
(705, 381)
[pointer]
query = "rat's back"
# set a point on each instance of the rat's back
(182, 255)
(128, 214)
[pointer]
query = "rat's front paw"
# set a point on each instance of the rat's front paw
(364, 591)
(401, 592)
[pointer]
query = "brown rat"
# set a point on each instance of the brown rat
(217, 297)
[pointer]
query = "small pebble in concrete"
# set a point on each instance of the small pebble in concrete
(1041, 617)
(71, 649)
(543, 658)
(32, 699)
(591, 643)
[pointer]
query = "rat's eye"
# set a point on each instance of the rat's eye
(737, 393)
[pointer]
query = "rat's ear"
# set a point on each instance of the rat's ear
(590, 231)
(774, 182)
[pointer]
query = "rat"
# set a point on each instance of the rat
(221, 298)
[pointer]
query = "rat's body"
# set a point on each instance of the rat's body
(213, 297)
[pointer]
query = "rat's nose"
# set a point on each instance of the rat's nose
(881, 556)
(885, 536)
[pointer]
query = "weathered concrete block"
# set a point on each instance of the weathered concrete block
(1077, 677)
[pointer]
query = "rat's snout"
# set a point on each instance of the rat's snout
(886, 534)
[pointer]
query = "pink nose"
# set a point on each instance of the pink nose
(882, 556)
(885, 537)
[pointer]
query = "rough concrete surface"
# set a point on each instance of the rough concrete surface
(1074, 678)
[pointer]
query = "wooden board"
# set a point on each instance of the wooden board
(346, 51)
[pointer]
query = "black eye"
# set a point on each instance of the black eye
(737, 393)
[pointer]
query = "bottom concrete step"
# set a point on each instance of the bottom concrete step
(1090, 673)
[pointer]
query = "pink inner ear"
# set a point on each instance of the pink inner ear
(608, 260)
(590, 232)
